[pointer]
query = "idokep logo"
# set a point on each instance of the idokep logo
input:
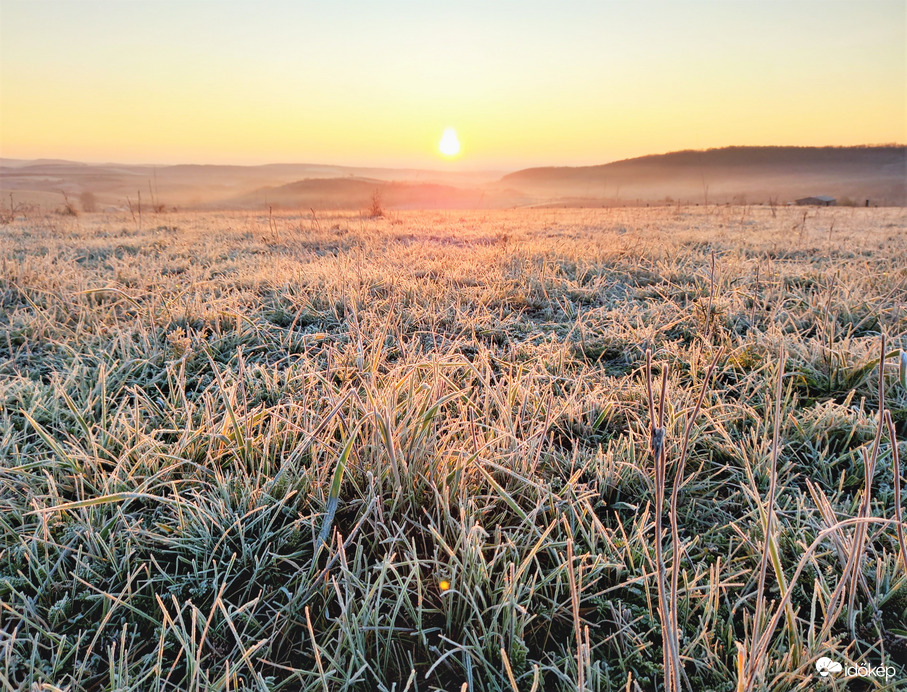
(826, 666)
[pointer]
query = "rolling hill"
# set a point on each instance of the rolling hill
(357, 193)
(44, 182)
(731, 174)
(728, 175)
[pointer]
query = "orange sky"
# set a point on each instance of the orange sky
(523, 83)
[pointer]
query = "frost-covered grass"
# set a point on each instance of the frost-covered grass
(459, 403)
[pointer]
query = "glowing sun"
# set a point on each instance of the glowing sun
(449, 144)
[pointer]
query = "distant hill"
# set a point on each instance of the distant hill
(357, 193)
(731, 174)
(45, 181)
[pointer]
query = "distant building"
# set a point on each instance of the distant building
(817, 201)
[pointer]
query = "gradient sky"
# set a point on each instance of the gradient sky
(376, 83)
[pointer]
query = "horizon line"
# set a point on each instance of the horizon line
(441, 169)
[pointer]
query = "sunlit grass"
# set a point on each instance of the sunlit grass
(421, 451)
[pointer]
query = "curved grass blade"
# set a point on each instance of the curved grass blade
(334, 494)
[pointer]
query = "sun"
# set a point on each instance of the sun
(449, 144)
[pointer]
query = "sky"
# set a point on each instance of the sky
(377, 83)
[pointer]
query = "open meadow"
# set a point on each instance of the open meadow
(542, 449)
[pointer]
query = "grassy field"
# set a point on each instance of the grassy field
(427, 451)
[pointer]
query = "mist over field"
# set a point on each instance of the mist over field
(738, 175)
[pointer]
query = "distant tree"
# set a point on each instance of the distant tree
(88, 202)
(376, 209)
(68, 208)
